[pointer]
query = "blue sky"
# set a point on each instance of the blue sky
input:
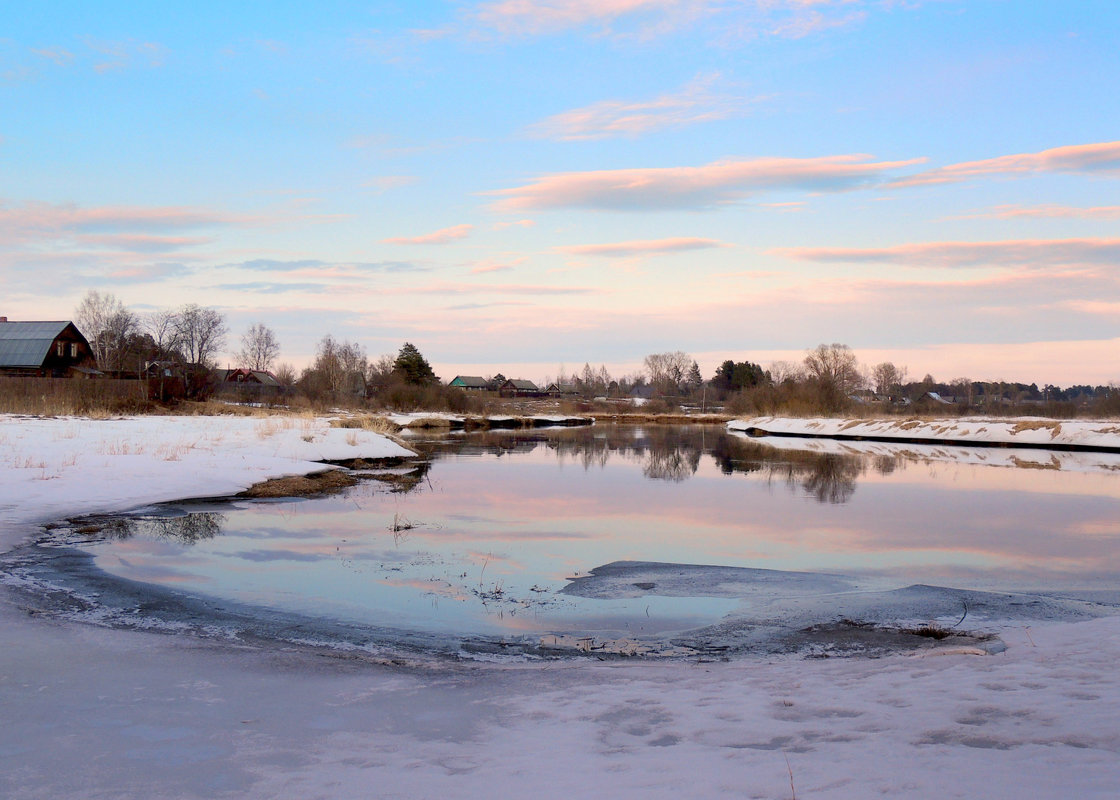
(518, 186)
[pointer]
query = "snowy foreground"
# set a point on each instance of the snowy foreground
(102, 713)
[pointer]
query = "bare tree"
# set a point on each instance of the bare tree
(782, 371)
(835, 370)
(339, 366)
(93, 317)
(259, 347)
(888, 378)
(667, 370)
(202, 333)
(120, 329)
(285, 374)
(163, 327)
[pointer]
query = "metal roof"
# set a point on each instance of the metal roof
(470, 381)
(26, 344)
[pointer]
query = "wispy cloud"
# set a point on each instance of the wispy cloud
(693, 104)
(489, 289)
(535, 17)
(1046, 211)
(322, 268)
(1102, 157)
(115, 55)
(142, 243)
(1022, 253)
(59, 55)
(269, 287)
(495, 266)
(521, 223)
(640, 248)
(659, 188)
(47, 217)
(646, 19)
(442, 236)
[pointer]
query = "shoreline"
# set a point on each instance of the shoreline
(1074, 436)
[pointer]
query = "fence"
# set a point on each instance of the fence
(70, 396)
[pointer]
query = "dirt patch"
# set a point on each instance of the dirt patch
(325, 482)
(1023, 464)
(1054, 427)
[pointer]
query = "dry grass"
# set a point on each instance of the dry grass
(367, 422)
(329, 481)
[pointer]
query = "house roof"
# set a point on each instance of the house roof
(470, 381)
(518, 383)
(27, 344)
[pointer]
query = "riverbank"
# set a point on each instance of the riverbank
(1025, 432)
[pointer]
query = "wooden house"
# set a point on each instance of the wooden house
(516, 387)
(45, 349)
(556, 389)
(471, 383)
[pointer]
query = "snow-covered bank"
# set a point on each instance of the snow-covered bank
(1016, 458)
(67, 466)
(1021, 432)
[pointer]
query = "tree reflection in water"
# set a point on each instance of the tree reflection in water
(674, 453)
(187, 529)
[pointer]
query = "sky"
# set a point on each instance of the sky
(524, 186)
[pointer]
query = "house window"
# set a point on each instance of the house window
(73, 349)
(60, 348)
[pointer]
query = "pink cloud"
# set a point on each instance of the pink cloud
(1015, 253)
(1085, 158)
(143, 243)
(442, 236)
(495, 266)
(1048, 211)
(637, 248)
(42, 217)
(646, 19)
(521, 223)
(659, 188)
(694, 104)
(534, 17)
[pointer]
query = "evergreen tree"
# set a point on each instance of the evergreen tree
(413, 368)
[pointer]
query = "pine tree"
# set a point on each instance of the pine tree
(414, 368)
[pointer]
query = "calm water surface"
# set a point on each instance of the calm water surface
(485, 536)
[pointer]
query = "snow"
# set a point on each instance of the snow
(102, 713)
(1029, 458)
(64, 466)
(1018, 431)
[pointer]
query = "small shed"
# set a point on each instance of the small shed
(44, 349)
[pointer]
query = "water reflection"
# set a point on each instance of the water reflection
(675, 453)
(188, 529)
(484, 536)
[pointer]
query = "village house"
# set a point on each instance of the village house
(472, 383)
(45, 349)
(556, 389)
(516, 387)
